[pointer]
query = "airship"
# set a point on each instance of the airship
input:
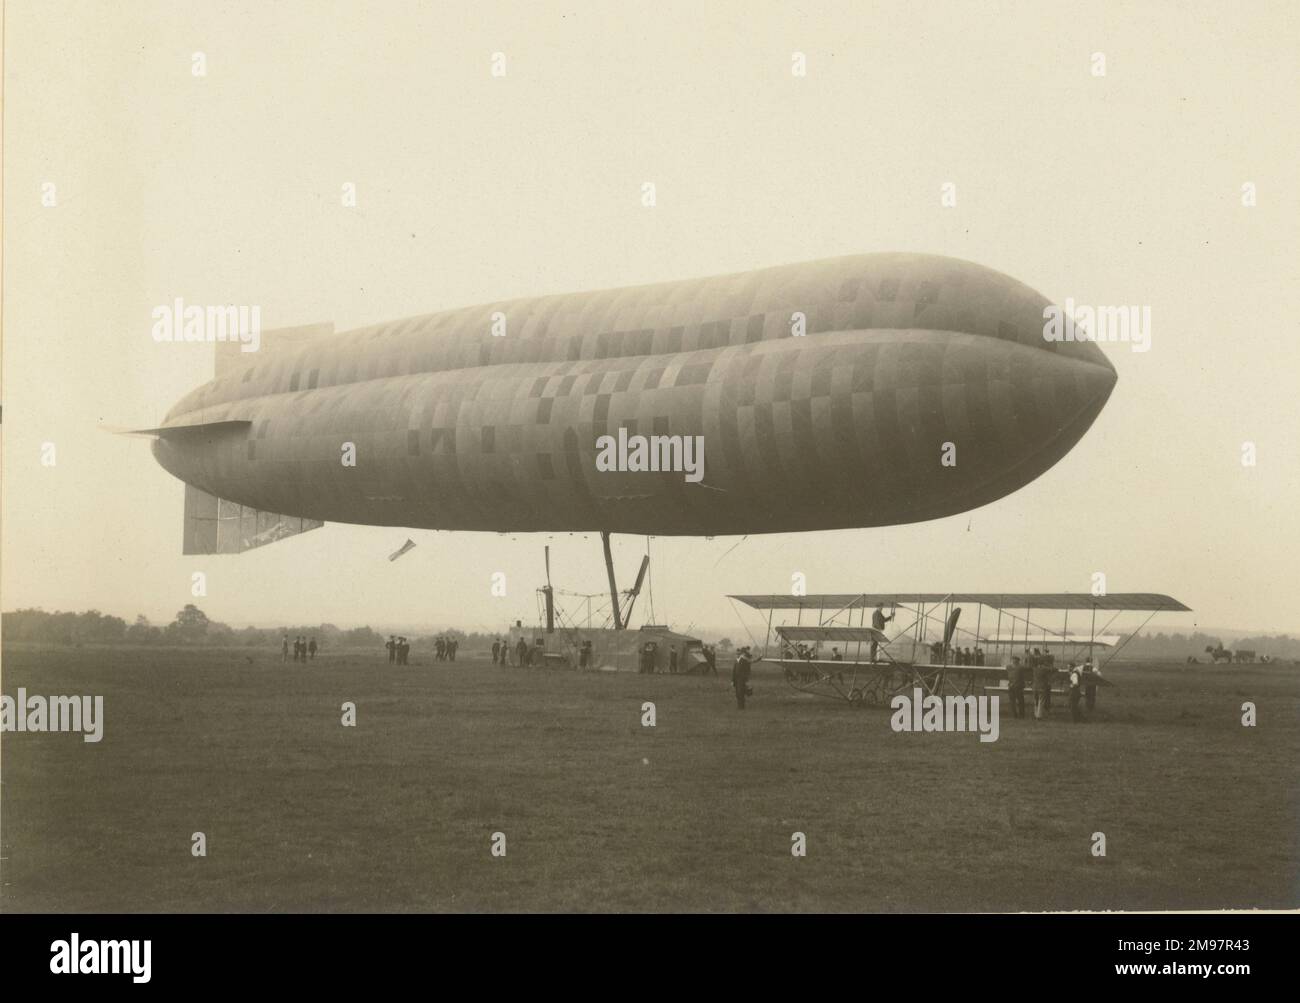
(860, 391)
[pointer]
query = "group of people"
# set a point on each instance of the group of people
(648, 659)
(1040, 668)
(955, 655)
(399, 649)
(303, 649)
(525, 655)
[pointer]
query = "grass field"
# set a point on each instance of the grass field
(302, 814)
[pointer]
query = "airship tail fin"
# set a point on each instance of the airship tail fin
(230, 355)
(216, 526)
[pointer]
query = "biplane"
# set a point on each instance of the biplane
(931, 644)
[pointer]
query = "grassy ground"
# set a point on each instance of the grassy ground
(600, 813)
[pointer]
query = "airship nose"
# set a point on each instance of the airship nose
(1071, 389)
(1041, 402)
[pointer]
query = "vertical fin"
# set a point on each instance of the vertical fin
(216, 526)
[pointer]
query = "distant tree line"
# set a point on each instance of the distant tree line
(1179, 647)
(192, 626)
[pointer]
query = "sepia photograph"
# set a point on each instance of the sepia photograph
(700, 458)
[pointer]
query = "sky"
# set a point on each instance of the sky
(225, 187)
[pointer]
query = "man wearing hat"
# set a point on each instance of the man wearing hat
(1076, 692)
(740, 677)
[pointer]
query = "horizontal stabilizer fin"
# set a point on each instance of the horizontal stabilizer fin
(177, 431)
(216, 526)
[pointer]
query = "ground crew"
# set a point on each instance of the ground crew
(1090, 690)
(521, 652)
(1042, 687)
(740, 677)
(311, 649)
(1076, 691)
(286, 647)
(672, 660)
(496, 651)
(392, 649)
(878, 620)
(711, 659)
(1016, 686)
(584, 655)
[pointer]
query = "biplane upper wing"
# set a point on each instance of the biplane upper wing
(1153, 602)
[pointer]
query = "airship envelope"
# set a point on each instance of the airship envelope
(860, 391)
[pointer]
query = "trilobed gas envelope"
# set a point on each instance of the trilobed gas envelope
(455, 427)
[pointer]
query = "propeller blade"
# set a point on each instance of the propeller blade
(640, 575)
(952, 625)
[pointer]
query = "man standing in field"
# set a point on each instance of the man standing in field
(1042, 686)
(392, 649)
(1090, 690)
(1076, 691)
(1016, 686)
(285, 647)
(740, 677)
(496, 651)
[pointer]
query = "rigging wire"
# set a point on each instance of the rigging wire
(730, 549)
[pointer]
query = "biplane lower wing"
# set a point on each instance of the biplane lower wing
(849, 634)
